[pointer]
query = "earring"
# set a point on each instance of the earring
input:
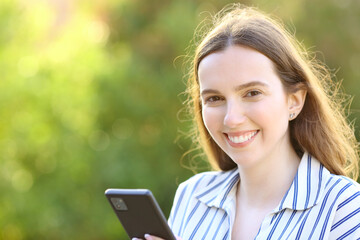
(291, 116)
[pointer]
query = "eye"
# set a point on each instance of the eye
(253, 93)
(213, 99)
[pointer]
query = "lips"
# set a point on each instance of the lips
(239, 139)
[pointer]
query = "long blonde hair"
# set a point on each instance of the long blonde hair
(320, 129)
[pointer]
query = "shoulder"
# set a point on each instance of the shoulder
(341, 189)
(198, 181)
(333, 189)
(343, 186)
(188, 192)
(197, 184)
(346, 194)
(185, 194)
(204, 179)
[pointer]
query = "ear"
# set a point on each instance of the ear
(296, 102)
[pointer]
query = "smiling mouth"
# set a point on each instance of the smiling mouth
(242, 138)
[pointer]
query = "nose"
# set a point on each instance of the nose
(234, 115)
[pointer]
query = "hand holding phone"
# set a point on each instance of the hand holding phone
(139, 213)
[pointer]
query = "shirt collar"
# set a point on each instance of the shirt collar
(221, 190)
(305, 191)
(308, 185)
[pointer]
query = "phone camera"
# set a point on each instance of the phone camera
(119, 204)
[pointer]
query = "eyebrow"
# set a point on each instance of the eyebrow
(237, 88)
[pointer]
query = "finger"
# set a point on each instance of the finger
(149, 237)
(178, 238)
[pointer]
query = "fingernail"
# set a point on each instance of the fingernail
(146, 236)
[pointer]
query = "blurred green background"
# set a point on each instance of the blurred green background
(91, 95)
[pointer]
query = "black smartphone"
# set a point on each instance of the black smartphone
(139, 213)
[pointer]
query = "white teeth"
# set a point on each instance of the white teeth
(242, 138)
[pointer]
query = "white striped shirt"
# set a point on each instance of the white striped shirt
(318, 205)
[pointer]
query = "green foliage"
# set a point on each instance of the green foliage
(90, 100)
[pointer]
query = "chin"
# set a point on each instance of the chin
(243, 161)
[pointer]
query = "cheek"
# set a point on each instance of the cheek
(211, 119)
(272, 114)
(265, 110)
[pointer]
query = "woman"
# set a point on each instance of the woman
(268, 121)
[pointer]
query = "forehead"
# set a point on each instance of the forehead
(236, 63)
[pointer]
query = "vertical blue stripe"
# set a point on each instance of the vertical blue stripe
(272, 219)
(178, 203)
(199, 223)
(210, 225)
(187, 205)
(298, 221)
(226, 235)
(220, 224)
(192, 213)
(322, 207)
(330, 210)
(232, 183)
(283, 200)
(287, 224)
(295, 190)
(308, 182)
(319, 184)
(275, 224)
(301, 228)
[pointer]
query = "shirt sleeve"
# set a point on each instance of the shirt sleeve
(346, 224)
(175, 207)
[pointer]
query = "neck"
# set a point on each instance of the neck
(264, 186)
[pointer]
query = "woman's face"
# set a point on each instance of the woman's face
(244, 105)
